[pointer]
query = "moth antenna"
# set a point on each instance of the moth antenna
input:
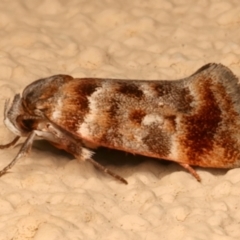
(6, 107)
(26, 147)
(15, 108)
(12, 143)
(106, 170)
(27, 117)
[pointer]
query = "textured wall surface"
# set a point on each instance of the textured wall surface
(49, 195)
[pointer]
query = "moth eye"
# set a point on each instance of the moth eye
(27, 124)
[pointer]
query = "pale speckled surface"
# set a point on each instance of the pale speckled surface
(47, 196)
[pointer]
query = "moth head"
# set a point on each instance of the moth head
(26, 113)
(16, 118)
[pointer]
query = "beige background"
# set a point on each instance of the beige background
(49, 195)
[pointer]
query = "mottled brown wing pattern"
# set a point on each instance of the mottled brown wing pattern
(192, 121)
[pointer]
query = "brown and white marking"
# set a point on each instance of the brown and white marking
(193, 121)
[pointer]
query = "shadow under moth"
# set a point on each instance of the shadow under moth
(193, 121)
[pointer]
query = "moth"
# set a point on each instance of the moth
(194, 121)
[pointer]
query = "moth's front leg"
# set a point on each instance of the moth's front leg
(25, 149)
(12, 143)
(65, 140)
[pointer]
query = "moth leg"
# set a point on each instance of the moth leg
(25, 149)
(106, 170)
(65, 140)
(12, 143)
(191, 170)
(85, 154)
